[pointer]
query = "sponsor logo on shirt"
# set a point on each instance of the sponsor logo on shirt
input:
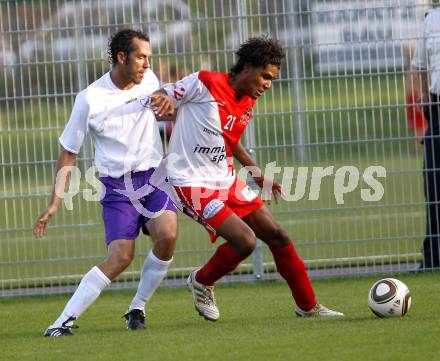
(209, 150)
(246, 117)
(130, 101)
(211, 132)
(216, 154)
(212, 208)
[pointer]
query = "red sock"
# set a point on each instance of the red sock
(223, 261)
(291, 267)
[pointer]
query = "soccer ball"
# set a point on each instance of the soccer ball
(389, 298)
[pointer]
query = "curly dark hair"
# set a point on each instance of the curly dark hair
(259, 51)
(122, 41)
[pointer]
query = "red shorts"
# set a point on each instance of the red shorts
(211, 207)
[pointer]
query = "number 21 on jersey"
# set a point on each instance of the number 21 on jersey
(231, 120)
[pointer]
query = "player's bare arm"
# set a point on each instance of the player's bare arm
(247, 161)
(65, 159)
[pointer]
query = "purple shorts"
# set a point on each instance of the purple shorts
(125, 214)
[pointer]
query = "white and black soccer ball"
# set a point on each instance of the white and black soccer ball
(389, 297)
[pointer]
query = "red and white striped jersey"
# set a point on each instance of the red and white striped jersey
(210, 121)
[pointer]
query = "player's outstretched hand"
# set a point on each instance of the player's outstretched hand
(276, 191)
(264, 184)
(40, 226)
(163, 105)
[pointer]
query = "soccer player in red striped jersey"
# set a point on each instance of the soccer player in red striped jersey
(213, 111)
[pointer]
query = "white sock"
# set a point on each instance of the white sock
(153, 272)
(87, 292)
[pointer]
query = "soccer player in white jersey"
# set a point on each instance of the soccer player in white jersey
(213, 111)
(128, 150)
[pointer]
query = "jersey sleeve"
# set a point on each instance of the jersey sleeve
(420, 58)
(76, 129)
(185, 90)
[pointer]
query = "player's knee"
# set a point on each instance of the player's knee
(278, 237)
(246, 244)
(282, 235)
(167, 239)
(171, 236)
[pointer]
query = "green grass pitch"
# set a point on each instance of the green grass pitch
(257, 323)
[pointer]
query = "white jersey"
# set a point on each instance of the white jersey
(427, 53)
(124, 132)
(209, 124)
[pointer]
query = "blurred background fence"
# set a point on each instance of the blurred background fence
(341, 100)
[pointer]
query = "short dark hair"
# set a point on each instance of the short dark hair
(122, 41)
(259, 51)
